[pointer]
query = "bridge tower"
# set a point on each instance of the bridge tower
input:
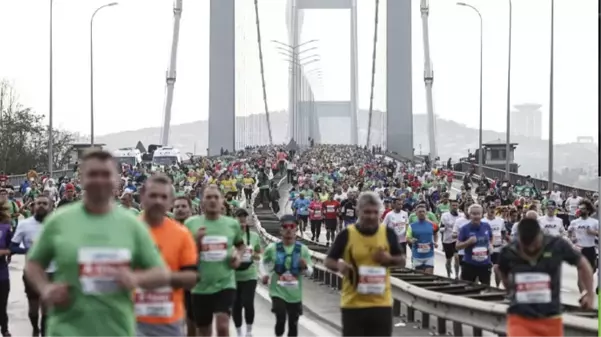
(399, 114)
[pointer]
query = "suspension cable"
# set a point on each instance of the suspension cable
(262, 71)
(373, 72)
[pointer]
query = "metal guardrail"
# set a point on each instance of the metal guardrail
(17, 179)
(479, 315)
(541, 185)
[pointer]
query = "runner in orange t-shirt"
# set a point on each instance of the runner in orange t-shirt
(160, 312)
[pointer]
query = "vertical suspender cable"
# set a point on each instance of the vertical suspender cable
(373, 72)
(262, 71)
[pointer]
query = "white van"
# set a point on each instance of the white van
(128, 155)
(167, 155)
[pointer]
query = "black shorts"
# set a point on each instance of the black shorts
(331, 224)
(471, 272)
(303, 218)
(206, 305)
(590, 253)
(494, 258)
(449, 249)
(375, 321)
(279, 306)
(188, 305)
(30, 291)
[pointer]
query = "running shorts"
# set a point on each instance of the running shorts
(422, 263)
(206, 305)
(449, 249)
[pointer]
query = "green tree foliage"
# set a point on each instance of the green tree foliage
(24, 137)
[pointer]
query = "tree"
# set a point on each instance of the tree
(24, 137)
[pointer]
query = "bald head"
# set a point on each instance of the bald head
(531, 215)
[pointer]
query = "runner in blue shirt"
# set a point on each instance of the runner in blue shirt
(476, 238)
(301, 210)
(423, 240)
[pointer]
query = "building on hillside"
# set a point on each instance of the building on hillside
(527, 121)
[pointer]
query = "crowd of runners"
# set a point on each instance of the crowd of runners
(163, 248)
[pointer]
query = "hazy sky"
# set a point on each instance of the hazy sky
(132, 43)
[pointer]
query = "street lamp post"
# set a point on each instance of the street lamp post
(481, 152)
(508, 141)
(295, 82)
(551, 82)
(92, 69)
(50, 102)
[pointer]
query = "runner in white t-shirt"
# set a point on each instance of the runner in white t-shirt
(397, 220)
(447, 226)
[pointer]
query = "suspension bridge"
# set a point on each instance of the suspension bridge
(394, 129)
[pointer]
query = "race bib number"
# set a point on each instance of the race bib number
(480, 254)
(288, 280)
(154, 303)
(331, 209)
(533, 288)
(372, 280)
(497, 240)
(317, 213)
(213, 248)
(248, 255)
(423, 248)
(350, 213)
(96, 267)
(248, 186)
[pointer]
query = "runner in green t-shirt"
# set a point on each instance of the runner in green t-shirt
(246, 276)
(102, 252)
(221, 245)
(282, 267)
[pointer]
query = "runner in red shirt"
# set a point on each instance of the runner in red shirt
(330, 213)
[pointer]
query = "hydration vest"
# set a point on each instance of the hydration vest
(280, 259)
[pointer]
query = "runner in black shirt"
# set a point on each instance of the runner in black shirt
(530, 268)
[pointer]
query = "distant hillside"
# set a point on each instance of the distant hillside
(454, 139)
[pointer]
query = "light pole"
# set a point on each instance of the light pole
(551, 82)
(92, 70)
(50, 102)
(508, 141)
(481, 152)
(295, 83)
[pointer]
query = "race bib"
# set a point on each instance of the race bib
(248, 255)
(96, 266)
(288, 280)
(331, 209)
(497, 240)
(533, 288)
(213, 248)
(480, 254)
(317, 213)
(248, 186)
(372, 280)
(350, 213)
(154, 303)
(423, 248)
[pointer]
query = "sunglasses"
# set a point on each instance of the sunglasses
(289, 226)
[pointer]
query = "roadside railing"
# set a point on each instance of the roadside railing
(541, 185)
(461, 311)
(18, 179)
